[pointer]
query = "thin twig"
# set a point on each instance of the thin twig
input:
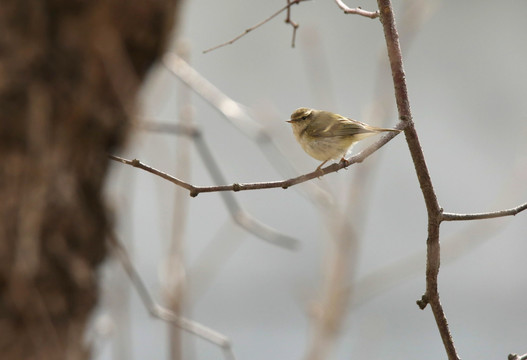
(231, 110)
(453, 248)
(284, 184)
(342, 253)
(238, 214)
(162, 313)
(293, 24)
(175, 284)
(235, 113)
(357, 11)
(431, 295)
(138, 164)
(517, 357)
(487, 215)
(289, 4)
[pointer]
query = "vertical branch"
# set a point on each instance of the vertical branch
(289, 21)
(434, 211)
(339, 268)
(176, 274)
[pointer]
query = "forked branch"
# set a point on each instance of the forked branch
(434, 211)
(288, 20)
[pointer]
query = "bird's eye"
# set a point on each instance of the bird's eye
(304, 117)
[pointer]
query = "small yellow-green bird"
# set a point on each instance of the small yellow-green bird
(328, 136)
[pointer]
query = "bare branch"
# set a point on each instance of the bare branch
(175, 278)
(453, 248)
(431, 295)
(235, 113)
(331, 308)
(517, 357)
(231, 110)
(357, 11)
(295, 26)
(284, 184)
(162, 313)
(238, 214)
(480, 216)
(138, 164)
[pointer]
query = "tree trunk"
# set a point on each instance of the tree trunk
(69, 72)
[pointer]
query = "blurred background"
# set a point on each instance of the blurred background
(361, 232)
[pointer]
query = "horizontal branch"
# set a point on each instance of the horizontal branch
(240, 217)
(357, 11)
(284, 184)
(480, 216)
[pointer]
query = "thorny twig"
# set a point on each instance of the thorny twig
(287, 7)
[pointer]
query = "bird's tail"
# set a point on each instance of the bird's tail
(378, 130)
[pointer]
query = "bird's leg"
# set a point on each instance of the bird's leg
(319, 168)
(343, 160)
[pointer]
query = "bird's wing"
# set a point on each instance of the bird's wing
(341, 127)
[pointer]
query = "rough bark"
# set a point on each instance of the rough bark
(69, 72)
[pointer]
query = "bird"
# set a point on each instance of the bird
(326, 136)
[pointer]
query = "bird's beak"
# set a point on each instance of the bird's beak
(289, 121)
